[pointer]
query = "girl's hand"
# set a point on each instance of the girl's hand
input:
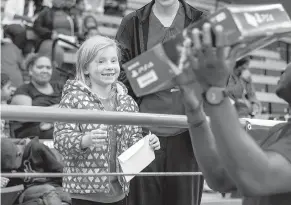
(98, 137)
(154, 142)
(45, 126)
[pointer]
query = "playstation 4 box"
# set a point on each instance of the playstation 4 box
(253, 25)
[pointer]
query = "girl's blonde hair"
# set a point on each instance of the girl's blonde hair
(88, 52)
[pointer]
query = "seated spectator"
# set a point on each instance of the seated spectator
(12, 61)
(49, 23)
(39, 92)
(17, 13)
(77, 13)
(32, 156)
(93, 31)
(7, 91)
(241, 90)
(89, 22)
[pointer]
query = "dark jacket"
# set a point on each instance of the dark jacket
(37, 157)
(132, 34)
(132, 37)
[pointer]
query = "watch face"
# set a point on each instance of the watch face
(214, 95)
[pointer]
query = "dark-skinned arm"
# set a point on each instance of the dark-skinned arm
(203, 143)
(255, 171)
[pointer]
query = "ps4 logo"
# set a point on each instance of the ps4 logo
(256, 19)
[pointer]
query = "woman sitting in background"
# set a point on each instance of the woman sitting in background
(39, 92)
(241, 90)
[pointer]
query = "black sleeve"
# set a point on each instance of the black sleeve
(23, 90)
(45, 158)
(124, 39)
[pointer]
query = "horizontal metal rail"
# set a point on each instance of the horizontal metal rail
(36, 175)
(50, 114)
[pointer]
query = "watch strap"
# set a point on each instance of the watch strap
(215, 95)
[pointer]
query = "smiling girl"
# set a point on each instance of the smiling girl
(93, 148)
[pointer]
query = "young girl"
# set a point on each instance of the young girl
(94, 148)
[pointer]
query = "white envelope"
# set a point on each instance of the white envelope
(137, 157)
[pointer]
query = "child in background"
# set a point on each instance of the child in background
(7, 91)
(94, 148)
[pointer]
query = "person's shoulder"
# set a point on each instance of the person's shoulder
(74, 92)
(127, 104)
(277, 128)
(57, 86)
(24, 89)
(45, 11)
(9, 49)
(197, 14)
(130, 16)
(280, 131)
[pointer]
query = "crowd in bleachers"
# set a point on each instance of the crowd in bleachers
(33, 73)
(28, 63)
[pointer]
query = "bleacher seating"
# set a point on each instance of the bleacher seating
(266, 66)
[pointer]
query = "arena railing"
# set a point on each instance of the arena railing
(49, 114)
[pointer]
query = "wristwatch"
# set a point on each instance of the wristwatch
(215, 95)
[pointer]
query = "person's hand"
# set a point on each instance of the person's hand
(4, 182)
(98, 137)
(213, 65)
(189, 86)
(154, 142)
